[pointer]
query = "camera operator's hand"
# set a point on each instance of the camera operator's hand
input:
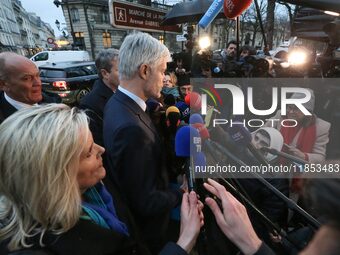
(296, 152)
(233, 221)
(191, 221)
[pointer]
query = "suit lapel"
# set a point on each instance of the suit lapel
(135, 108)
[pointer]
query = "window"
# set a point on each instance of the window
(90, 70)
(79, 34)
(41, 56)
(104, 16)
(161, 39)
(79, 40)
(75, 15)
(107, 42)
(52, 73)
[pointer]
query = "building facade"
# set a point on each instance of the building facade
(22, 32)
(88, 23)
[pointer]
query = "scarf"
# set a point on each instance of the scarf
(307, 136)
(98, 205)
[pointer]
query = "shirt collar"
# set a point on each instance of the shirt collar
(16, 104)
(135, 98)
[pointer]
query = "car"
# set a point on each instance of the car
(70, 80)
(45, 57)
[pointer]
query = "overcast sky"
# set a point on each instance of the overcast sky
(47, 11)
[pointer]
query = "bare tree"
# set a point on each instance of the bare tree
(270, 23)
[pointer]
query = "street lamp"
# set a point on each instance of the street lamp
(58, 3)
(57, 23)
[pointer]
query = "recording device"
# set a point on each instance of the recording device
(184, 110)
(285, 155)
(169, 100)
(241, 135)
(194, 100)
(188, 145)
(196, 118)
(173, 116)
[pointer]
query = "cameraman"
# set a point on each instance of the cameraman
(235, 224)
(229, 55)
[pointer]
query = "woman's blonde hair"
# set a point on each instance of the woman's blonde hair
(39, 157)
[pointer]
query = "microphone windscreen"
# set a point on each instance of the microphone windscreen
(152, 104)
(194, 100)
(196, 118)
(234, 8)
(187, 141)
(169, 99)
(240, 134)
(184, 109)
(202, 130)
(171, 109)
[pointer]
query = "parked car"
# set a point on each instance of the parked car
(70, 80)
(45, 57)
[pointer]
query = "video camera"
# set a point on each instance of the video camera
(249, 66)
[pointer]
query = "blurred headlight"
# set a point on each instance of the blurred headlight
(297, 58)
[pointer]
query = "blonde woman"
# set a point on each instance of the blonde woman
(51, 195)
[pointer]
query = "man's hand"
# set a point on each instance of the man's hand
(233, 221)
(295, 152)
(191, 221)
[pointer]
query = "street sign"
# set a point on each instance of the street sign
(140, 17)
(180, 38)
(50, 40)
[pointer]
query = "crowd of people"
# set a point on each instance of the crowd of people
(95, 179)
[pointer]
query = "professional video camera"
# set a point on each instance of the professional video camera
(249, 66)
(297, 62)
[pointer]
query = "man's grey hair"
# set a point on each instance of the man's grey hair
(104, 60)
(137, 49)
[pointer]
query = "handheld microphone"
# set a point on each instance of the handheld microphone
(184, 110)
(211, 13)
(196, 118)
(172, 117)
(285, 155)
(188, 145)
(242, 136)
(169, 100)
(202, 130)
(194, 100)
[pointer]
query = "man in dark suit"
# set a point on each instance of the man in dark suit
(104, 88)
(133, 147)
(20, 84)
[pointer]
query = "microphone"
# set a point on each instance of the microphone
(194, 100)
(188, 145)
(172, 117)
(234, 8)
(169, 100)
(202, 130)
(285, 155)
(213, 146)
(242, 136)
(153, 105)
(184, 110)
(211, 13)
(196, 118)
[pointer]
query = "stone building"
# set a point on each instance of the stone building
(22, 32)
(89, 22)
